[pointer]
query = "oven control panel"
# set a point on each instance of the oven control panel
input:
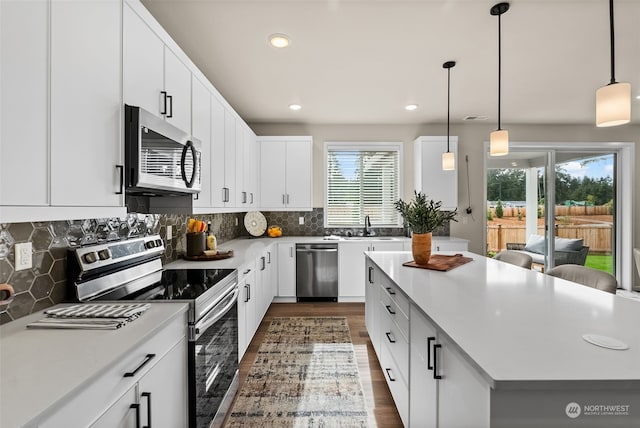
(103, 255)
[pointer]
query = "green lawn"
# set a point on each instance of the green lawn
(600, 262)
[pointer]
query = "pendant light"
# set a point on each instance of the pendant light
(499, 140)
(613, 102)
(448, 158)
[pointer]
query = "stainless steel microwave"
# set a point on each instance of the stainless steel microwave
(160, 159)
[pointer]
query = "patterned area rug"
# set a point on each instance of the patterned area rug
(305, 376)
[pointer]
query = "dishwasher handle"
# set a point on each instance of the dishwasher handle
(316, 250)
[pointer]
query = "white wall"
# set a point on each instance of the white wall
(471, 138)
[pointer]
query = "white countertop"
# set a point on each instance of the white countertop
(249, 249)
(520, 326)
(41, 367)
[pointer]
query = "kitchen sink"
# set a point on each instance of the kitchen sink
(369, 238)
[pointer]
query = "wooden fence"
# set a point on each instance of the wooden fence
(598, 237)
(560, 211)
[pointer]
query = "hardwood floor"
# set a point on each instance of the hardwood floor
(382, 411)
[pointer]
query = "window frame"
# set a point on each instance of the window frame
(396, 146)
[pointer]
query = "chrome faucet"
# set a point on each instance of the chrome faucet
(367, 225)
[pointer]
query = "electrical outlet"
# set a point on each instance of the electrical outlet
(236, 221)
(169, 232)
(300, 220)
(23, 256)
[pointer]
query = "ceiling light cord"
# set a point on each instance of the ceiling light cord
(612, 39)
(448, 103)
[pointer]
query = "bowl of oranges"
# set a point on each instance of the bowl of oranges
(274, 231)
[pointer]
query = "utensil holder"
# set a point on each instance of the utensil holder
(196, 243)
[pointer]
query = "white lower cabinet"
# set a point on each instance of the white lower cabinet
(287, 270)
(158, 399)
(246, 306)
(442, 380)
(152, 377)
(351, 279)
(430, 379)
(263, 285)
(443, 244)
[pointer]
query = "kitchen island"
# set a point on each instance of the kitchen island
(67, 377)
(508, 344)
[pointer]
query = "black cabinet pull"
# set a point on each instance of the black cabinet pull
(244, 197)
(435, 361)
(251, 199)
(389, 337)
(429, 340)
(121, 168)
(164, 102)
(249, 289)
(370, 275)
(264, 263)
(390, 375)
(147, 395)
(246, 299)
(194, 156)
(136, 407)
(170, 97)
(389, 310)
(147, 358)
(269, 257)
(390, 291)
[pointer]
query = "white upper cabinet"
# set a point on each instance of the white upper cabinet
(430, 179)
(86, 103)
(24, 29)
(285, 173)
(61, 110)
(250, 166)
(201, 130)
(230, 185)
(154, 77)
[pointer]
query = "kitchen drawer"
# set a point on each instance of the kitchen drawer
(391, 307)
(398, 297)
(102, 391)
(398, 387)
(396, 342)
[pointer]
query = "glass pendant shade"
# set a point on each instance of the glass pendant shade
(448, 161)
(613, 104)
(499, 143)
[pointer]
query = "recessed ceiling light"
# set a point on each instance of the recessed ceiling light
(279, 40)
(295, 107)
(411, 107)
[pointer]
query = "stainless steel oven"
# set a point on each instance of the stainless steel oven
(131, 270)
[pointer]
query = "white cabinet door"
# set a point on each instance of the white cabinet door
(272, 262)
(201, 130)
(449, 246)
(143, 56)
(241, 191)
(286, 270)
(230, 159)
(429, 178)
(177, 84)
(163, 390)
(351, 259)
(264, 286)
(423, 388)
(24, 53)
(272, 174)
(246, 307)
(86, 103)
(251, 155)
(122, 414)
(351, 268)
(298, 174)
(217, 154)
(371, 306)
(460, 383)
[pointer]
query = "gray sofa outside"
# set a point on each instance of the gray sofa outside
(567, 251)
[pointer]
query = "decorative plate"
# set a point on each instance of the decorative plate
(605, 341)
(255, 223)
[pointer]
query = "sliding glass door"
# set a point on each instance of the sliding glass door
(562, 205)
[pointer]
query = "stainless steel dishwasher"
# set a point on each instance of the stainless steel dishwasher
(317, 272)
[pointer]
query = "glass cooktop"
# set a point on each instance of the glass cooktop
(183, 284)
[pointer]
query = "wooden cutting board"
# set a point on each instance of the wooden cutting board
(441, 262)
(203, 257)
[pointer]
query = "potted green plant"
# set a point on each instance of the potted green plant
(423, 216)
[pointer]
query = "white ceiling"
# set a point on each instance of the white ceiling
(362, 61)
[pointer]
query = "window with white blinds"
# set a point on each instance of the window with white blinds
(362, 180)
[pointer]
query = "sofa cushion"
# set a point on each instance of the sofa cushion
(566, 244)
(535, 244)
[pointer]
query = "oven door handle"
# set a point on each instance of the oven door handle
(214, 315)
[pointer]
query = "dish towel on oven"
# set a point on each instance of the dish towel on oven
(97, 316)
